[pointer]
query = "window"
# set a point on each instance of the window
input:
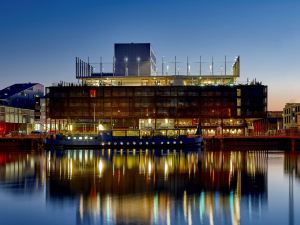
(238, 92)
(238, 102)
(238, 112)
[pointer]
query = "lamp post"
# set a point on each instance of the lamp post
(138, 59)
(126, 64)
(94, 105)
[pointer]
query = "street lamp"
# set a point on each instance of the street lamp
(126, 68)
(138, 59)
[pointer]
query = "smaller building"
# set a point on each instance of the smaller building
(16, 120)
(272, 124)
(21, 95)
(20, 108)
(291, 116)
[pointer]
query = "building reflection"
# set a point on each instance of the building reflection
(292, 164)
(170, 188)
(292, 169)
(22, 172)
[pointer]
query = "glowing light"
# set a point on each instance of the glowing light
(100, 127)
(166, 168)
(149, 167)
(100, 167)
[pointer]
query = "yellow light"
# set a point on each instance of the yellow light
(100, 167)
(71, 127)
(149, 167)
(100, 127)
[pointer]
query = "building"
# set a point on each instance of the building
(16, 120)
(291, 116)
(19, 108)
(216, 102)
(272, 124)
(22, 95)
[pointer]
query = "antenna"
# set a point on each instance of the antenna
(101, 66)
(225, 65)
(162, 66)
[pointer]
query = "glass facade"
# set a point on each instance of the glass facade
(219, 109)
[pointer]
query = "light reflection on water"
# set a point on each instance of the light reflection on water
(151, 187)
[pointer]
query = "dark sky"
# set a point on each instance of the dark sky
(39, 39)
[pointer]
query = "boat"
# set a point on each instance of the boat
(126, 139)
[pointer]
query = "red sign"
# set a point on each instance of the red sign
(92, 93)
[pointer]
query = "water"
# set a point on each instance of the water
(107, 187)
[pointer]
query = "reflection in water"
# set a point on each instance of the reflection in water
(292, 168)
(134, 187)
(22, 172)
(175, 188)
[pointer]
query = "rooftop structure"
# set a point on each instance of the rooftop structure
(135, 64)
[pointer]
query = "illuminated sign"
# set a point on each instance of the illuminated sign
(92, 93)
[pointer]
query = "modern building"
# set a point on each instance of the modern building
(16, 120)
(19, 108)
(155, 103)
(291, 116)
(22, 95)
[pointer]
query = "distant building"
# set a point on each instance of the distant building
(19, 108)
(270, 125)
(134, 59)
(21, 95)
(17, 120)
(291, 116)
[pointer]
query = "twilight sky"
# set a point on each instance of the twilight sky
(39, 39)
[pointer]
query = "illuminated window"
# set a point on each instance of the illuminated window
(238, 92)
(238, 112)
(238, 102)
